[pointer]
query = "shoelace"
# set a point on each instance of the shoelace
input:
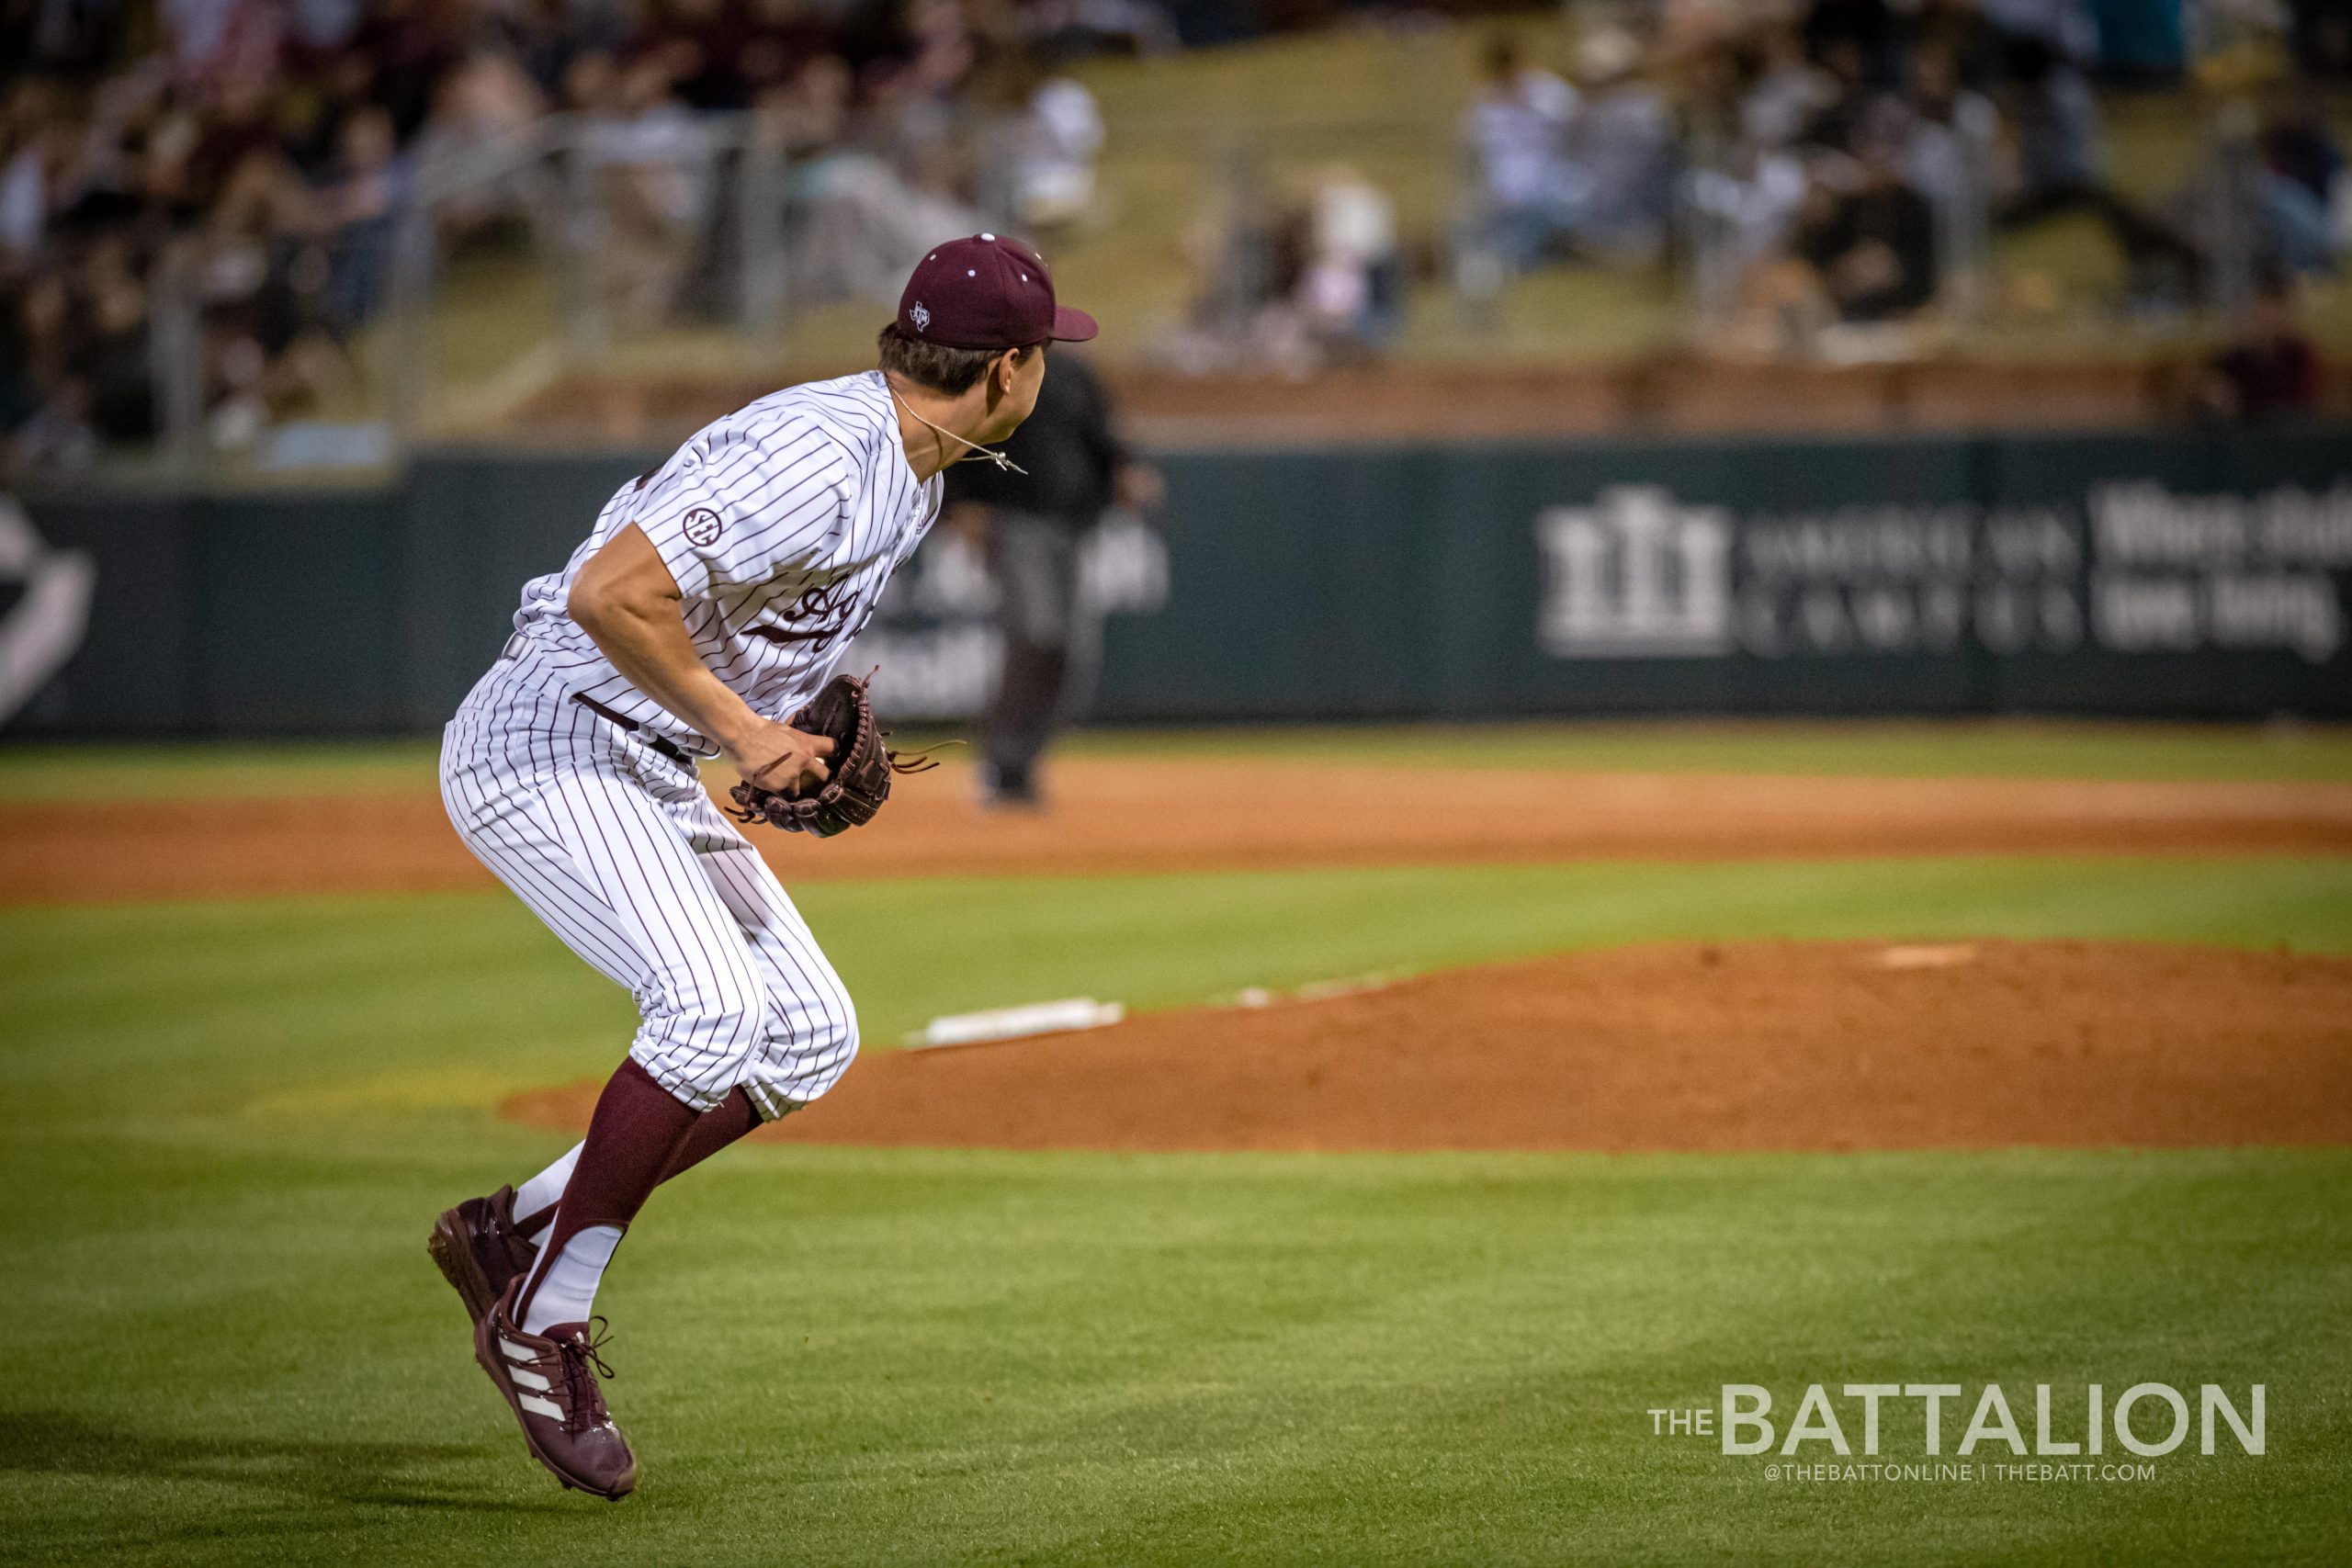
(581, 1394)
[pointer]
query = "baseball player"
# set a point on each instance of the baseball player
(711, 599)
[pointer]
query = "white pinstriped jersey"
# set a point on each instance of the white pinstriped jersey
(781, 523)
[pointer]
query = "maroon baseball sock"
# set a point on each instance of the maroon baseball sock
(713, 1130)
(637, 1131)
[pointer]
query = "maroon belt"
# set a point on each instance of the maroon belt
(668, 748)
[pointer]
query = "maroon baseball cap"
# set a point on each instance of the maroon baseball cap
(987, 292)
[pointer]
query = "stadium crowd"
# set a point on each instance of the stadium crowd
(254, 154)
(249, 160)
(1845, 150)
(1826, 170)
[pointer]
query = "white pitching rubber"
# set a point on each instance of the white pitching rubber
(1016, 1023)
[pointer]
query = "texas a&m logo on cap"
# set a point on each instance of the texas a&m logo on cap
(987, 292)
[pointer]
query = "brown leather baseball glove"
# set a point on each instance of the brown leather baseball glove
(858, 781)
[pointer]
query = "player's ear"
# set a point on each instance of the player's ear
(1009, 364)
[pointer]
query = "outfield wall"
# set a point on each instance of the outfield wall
(2192, 575)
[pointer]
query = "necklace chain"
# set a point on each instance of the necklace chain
(990, 453)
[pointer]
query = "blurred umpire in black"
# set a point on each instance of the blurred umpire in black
(1033, 526)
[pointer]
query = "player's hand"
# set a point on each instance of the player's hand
(778, 757)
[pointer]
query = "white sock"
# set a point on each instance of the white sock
(538, 1195)
(566, 1292)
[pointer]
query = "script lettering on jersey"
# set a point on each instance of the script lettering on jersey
(817, 615)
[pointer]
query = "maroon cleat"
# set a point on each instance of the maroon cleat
(480, 1251)
(550, 1382)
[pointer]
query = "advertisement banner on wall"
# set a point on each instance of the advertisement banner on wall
(935, 644)
(2150, 575)
(2138, 569)
(2137, 575)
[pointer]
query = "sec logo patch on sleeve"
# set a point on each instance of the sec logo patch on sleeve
(701, 526)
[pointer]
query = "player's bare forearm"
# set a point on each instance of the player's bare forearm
(625, 600)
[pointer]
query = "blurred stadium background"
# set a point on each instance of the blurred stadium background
(1771, 447)
(1828, 356)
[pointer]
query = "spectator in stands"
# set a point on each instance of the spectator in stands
(1350, 289)
(2066, 28)
(2059, 168)
(2060, 156)
(699, 44)
(1788, 90)
(541, 38)
(1058, 132)
(652, 154)
(1757, 196)
(1515, 129)
(1856, 38)
(56, 433)
(36, 180)
(810, 111)
(1618, 152)
(487, 104)
(21, 392)
(273, 141)
(353, 216)
(2305, 202)
(1949, 133)
(2322, 36)
(411, 45)
(2273, 368)
(869, 209)
(1845, 68)
(108, 358)
(1962, 34)
(262, 292)
(1073, 29)
(780, 38)
(1868, 238)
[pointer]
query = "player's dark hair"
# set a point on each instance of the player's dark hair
(949, 371)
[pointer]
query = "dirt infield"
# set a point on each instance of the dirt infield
(1203, 814)
(1781, 1045)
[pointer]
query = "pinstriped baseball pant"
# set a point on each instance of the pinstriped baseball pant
(617, 848)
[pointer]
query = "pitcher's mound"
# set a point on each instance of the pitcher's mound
(1777, 1045)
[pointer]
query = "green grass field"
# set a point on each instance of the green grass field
(226, 1126)
(1988, 748)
